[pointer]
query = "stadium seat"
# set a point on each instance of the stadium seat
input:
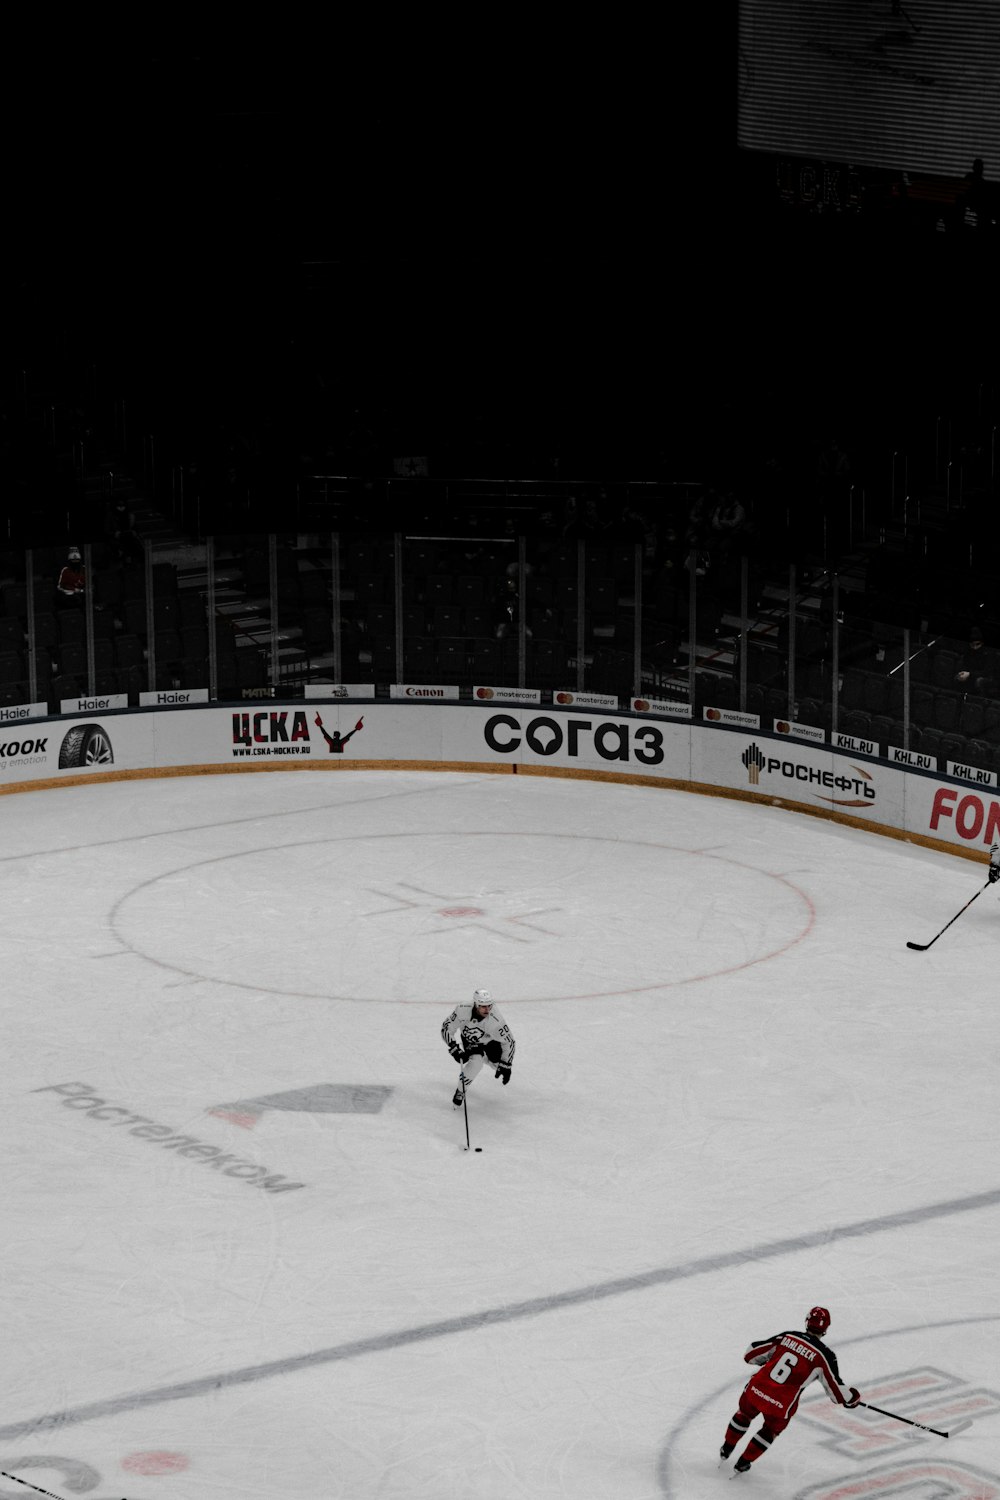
(128, 651)
(419, 659)
(981, 754)
(944, 665)
(954, 747)
(470, 591)
(486, 658)
(972, 717)
(71, 625)
(930, 741)
(875, 694)
(856, 723)
(946, 706)
(11, 666)
(447, 620)
(452, 659)
(438, 589)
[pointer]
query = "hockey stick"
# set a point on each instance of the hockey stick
(35, 1487)
(936, 1430)
(922, 947)
(465, 1109)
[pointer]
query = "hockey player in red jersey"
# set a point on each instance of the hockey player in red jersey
(789, 1362)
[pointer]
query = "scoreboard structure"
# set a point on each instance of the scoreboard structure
(847, 104)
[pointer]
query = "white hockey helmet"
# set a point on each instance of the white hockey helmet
(483, 1000)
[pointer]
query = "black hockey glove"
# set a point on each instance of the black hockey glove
(503, 1071)
(457, 1053)
(994, 873)
(855, 1396)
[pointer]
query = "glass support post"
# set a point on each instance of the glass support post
(88, 615)
(637, 625)
(906, 687)
(744, 628)
(338, 667)
(29, 583)
(213, 660)
(692, 635)
(397, 600)
(272, 586)
(835, 661)
(581, 589)
(522, 612)
(147, 547)
(790, 667)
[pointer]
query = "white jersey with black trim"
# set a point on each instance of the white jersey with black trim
(478, 1030)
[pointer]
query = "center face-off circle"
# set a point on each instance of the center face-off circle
(413, 916)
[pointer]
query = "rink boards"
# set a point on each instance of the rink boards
(751, 764)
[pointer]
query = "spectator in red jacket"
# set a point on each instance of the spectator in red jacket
(71, 585)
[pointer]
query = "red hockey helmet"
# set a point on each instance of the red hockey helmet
(818, 1320)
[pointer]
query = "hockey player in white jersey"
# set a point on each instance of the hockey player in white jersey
(475, 1033)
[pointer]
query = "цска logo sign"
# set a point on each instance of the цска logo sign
(284, 732)
(757, 762)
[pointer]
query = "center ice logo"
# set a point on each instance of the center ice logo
(916, 1466)
(315, 1099)
(917, 1479)
(925, 1395)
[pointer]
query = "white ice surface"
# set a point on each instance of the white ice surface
(726, 1056)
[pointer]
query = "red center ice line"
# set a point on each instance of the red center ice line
(155, 1463)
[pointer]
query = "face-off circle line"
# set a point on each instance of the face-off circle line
(661, 984)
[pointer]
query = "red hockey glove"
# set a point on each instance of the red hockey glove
(855, 1397)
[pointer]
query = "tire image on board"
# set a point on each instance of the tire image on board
(85, 745)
